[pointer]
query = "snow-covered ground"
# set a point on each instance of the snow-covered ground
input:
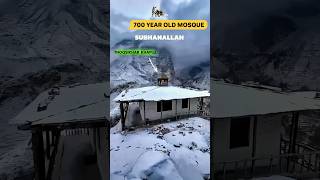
(177, 150)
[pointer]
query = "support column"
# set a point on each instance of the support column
(144, 112)
(294, 132)
(293, 136)
(201, 103)
(189, 107)
(254, 142)
(122, 116)
(48, 143)
(161, 109)
(38, 153)
(176, 109)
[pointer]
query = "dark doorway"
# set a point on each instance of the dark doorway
(239, 132)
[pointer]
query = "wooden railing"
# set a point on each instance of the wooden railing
(76, 131)
(305, 162)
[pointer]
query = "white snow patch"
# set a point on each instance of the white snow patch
(178, 149)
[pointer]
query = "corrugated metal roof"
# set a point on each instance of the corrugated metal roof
(71, 103)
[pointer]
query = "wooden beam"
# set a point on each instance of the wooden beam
(254, 142)
(122, 116)
(38, 153)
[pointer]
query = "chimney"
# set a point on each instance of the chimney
(163, 80)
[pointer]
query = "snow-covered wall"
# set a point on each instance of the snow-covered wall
(268, 131)
(152, 114)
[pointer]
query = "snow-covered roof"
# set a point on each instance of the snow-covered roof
(157, 93)
(67, 104)
(230, 100)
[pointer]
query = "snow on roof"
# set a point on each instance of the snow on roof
(157, 93)
(230, 100)
(66, 104)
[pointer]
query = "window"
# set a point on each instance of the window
(239, 132)
(185, 103)
(166, 106)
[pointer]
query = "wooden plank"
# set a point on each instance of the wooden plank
(38, 153)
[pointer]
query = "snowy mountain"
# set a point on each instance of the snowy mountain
(139, 70)
(44, 44)
(197, 76)
(280, 48)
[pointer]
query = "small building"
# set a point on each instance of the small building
(249, 137)
(156, 103)
(62, 120)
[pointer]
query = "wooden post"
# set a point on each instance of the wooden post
(189, 107)
(176, 109)
(254, 141)
(293, 135)
(295, 132)
(52, 158)
(144, 112)
(48, 144)
(122, 116)
(38, 153)
(161, 110)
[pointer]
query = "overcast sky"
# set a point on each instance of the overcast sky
(196, 46)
